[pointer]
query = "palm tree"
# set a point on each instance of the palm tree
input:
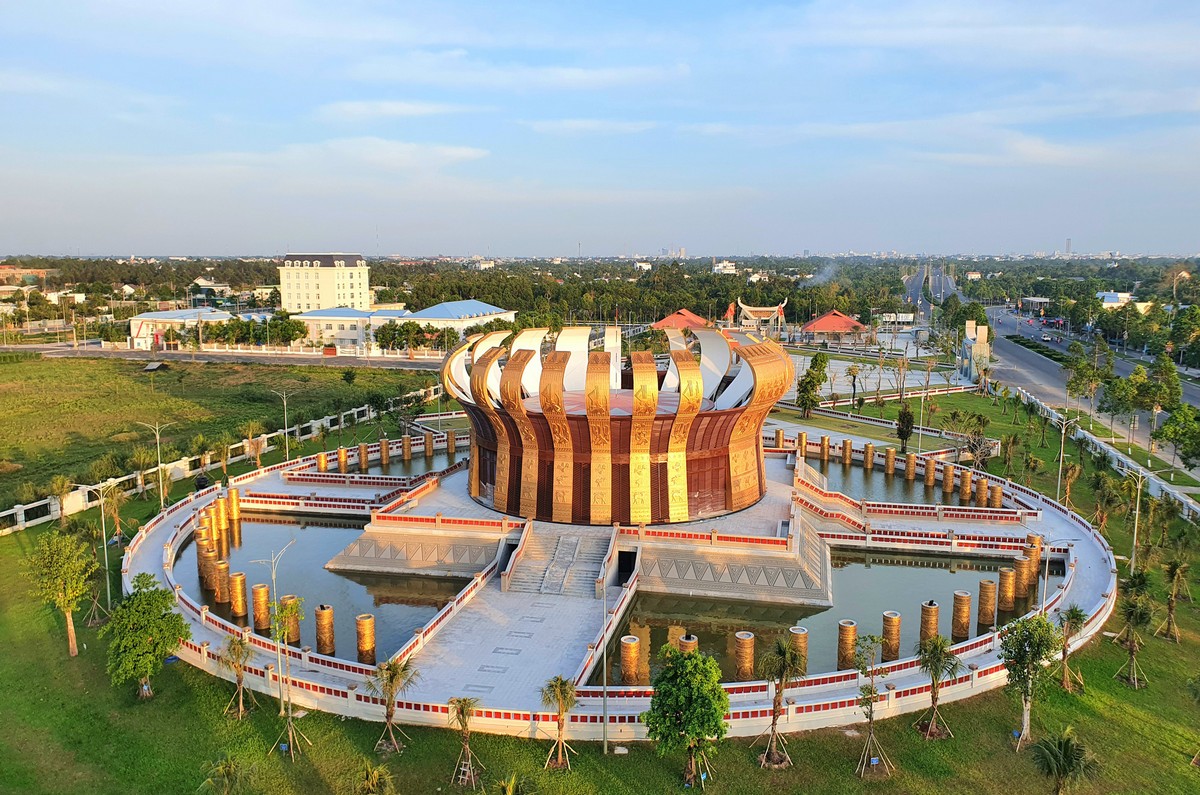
(852, 372)
(1107, 500)
(559, 694)
(1009, 445)
(390, 680)
(1071, 622)
(59, 487)
(1064, 759)
(782, 664)
(461, 710)
(142, 458)
(373, 779)
(226, 776)
(936, 658)
(235, 656)
(1136, 584)
(252, 432)
(512, 786)
(1071, 473)
(114, 500)
(224, 445)
(1176, 569)
(1136, 611)
(1169, 509)
(1033, 465)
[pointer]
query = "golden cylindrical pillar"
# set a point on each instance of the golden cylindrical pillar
(291, 631)
(1006, 601)
(889, 461)
(1035, 541)
(847, 452)
(385, 452)
(778, 438)
(981, 493)
(261, 594)
(960, 618)
(235, 505)
(203, 533)
(799, 637)
(429, 444)
(363, 461)
(343, 456)
(824, 449)
(451, 443)
(910, 466)
(930, 473)
(847, 640)
(868, 456)
(689, 643)
(966, 483)
(631, 650)
(1024, 570)
(364, 623)
(221, 582)
(324, 619)
(996, 498)
(406, 447)
(743, 644)
(237, 593)
(929, 621)
(948, 478)
(987, 604)
(208, 568)
(891, 636)
(322, 461)
(674, 633)
(802, 444)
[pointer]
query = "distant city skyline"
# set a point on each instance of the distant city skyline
(543, 129)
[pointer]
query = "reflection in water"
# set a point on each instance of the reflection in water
(864, 586)
(419, 464)
(855, 482)
(401, 603)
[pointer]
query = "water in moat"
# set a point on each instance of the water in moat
(400, 603)
(398, 467)
(859, 484)
(864, 586)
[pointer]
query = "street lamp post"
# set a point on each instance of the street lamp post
(284, 395)
(158, 429)
(99, 489)
(1140, 477)
(273, 562)
(1063, 423)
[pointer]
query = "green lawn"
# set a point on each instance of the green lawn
(60, 415)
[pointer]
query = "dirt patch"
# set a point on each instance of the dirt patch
(9, 467)
(125, 436)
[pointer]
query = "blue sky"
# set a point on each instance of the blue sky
(936, 126)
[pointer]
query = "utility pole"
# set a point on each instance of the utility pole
(1063, 423)
(1140, 477)
(158, 429)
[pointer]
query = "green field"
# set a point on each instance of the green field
(60, 415)
(66, 730)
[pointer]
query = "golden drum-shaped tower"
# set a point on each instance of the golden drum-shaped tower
(567, 434)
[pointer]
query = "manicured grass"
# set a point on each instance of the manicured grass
(60, 415)
(834, 425)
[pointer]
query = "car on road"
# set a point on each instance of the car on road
(1046, 338)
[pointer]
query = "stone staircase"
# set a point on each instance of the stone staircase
(556, 562)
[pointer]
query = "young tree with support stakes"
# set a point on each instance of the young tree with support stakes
(939, 662)
(1070, 623)
(784, 663)
(143, 630)
(60, 571)
(904, 426)
(235, 655)
(284, 614)
(1176, 570)
(373, 779)
(866, 655)
(1064, 759)
(390, 680)
(559, 693)
(1136, 612)
(687, 710)
(468, 767)
(1028, 643)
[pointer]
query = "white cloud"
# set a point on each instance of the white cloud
(598, 126)
(364, 110)
(459, 69)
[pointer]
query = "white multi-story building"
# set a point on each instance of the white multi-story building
(308, 282)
